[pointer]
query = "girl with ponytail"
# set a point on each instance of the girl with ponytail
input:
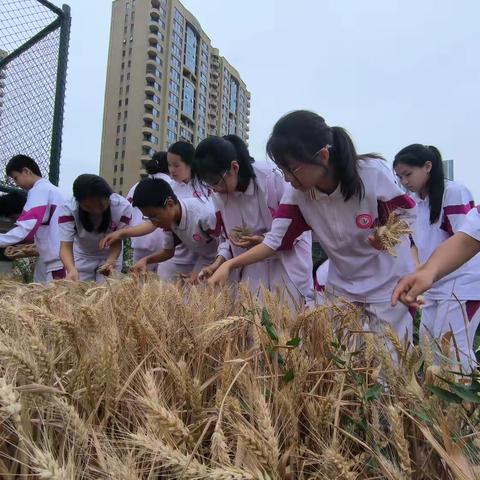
(452, 303)
(340, 196)
(245, 196)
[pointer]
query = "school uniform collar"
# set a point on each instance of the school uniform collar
(183, 221)
(316, 194)
(249, 191)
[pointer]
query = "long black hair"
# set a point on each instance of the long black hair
(301, 134)
(214, 156)
(88, 186)
(157, 164)
(417, 155)
(185, 150)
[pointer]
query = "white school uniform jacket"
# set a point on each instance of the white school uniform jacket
(254, 209)
(195, 231)
(457, 202)
(153, 241)
(471, 224)
(88, 243)
(357, 271)
(183, 190)
(38, 223)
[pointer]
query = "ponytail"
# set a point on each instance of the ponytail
(157, 164)
(344, 158)
(246, 171)
(301, 134)
(416, 155)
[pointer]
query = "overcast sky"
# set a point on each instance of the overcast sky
(393, 72)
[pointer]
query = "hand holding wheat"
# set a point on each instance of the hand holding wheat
(387, 237)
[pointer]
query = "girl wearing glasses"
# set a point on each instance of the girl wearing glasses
(340, 196)
(93, 211)
(246, 195)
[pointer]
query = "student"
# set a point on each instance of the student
(341, 196)
(38, 223)
(93, 212)
(447, 258)
(188, 222)
(246, 194)
(451, 304)
(180, 158)
(11, 207)
(145, 245)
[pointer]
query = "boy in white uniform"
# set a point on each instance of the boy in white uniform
(190, 222)
(38, 223)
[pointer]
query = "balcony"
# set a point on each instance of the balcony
(153, 27)
(214, 94)
(214, 83)
(215, 61)
(214, 75)
(155, 13)
(212, 104)
(148, 116)
(149, 104)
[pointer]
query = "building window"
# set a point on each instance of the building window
(116, 155)
(121, 91)
(175, 62)
(123, 153)
(121, 180)
(124, 53)
(125, 115)
(124, 141)
(119, 115)
(128, 76)
(118, 129)
(129, 63)
(178, 16)
(121, 167)
(233, 96)
(130, 51)
(171, 137)
(172, 111)
(124, 127)
(123, 65)
(174, 75)
(173, 98)
(174, 87)
(127, 89)
(117, 142)
(114, 182)
(172, 124)
(177, 27)
(126, 101)
(177, 39)
(188, 98)
(191, 49)
(176, 51)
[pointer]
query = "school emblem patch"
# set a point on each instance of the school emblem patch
(197, 237)
(364, 221)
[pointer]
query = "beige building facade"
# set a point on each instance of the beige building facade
(165, 82)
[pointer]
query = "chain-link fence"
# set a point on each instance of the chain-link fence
(34, 37)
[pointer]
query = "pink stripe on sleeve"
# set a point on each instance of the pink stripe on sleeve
(297, 226)
(65, 219)
(125, 220)
(386, 208)
(35, 213)
(219, 226)
(458, 209)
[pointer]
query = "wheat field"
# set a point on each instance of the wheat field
(142, 380)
